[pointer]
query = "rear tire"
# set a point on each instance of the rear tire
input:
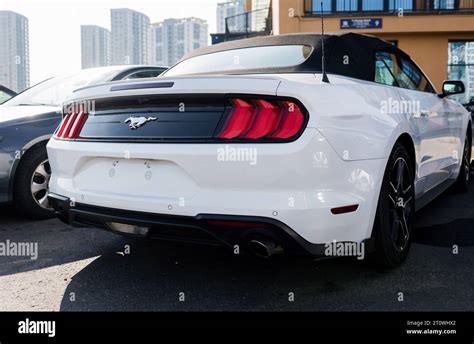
(462, 182)
(395, 210)
(31, 185)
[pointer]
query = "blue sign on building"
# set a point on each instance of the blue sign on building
(362, 23)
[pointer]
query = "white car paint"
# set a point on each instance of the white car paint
(339, 160)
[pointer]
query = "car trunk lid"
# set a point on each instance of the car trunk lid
(178, 109)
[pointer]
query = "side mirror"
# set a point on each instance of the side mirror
(451, 87)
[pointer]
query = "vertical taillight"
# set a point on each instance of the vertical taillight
(77, 126)
(239, 119)
(257, 119)
(71, 125)
(265, 121)
(62, 126)
(291, 121)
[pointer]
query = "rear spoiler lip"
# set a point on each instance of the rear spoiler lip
(141, 86)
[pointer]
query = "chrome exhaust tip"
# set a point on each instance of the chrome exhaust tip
(128, 229)
(264, 248)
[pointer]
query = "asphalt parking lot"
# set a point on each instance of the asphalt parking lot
(84, 269)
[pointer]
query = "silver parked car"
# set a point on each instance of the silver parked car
(29, 119)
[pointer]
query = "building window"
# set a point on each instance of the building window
(196, 31)
(372, 5)
(180, 33)
(397, 5)
(461, 67)
(346, 6)
(326, 6)
(341, 6)
(443, 4)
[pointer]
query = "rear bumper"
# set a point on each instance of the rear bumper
(194, 229)
(296, 184)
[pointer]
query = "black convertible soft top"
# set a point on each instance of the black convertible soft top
(348, 54)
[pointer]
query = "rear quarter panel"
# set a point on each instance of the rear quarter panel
(349, 113)
(352, 115)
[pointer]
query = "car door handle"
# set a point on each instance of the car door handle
(422, 114)
(425, 113)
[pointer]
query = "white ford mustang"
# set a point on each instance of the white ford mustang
(262, 144)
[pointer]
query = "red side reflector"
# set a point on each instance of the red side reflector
(240, 224)
(266, 120)
(77, 126)
(291, 121)
(239, 119)
(345, 209)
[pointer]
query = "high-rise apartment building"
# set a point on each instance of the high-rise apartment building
(14, 51)
(130, 37)
(230, 10)
(95, 46)
(173, 38)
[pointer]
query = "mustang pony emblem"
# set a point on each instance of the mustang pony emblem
(137, 122)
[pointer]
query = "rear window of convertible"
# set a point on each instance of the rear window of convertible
(277, 56)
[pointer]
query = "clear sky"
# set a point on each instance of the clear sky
(55, 34)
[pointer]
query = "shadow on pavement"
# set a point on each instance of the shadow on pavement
(459, 232)
(447, 221)
(152, 277)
